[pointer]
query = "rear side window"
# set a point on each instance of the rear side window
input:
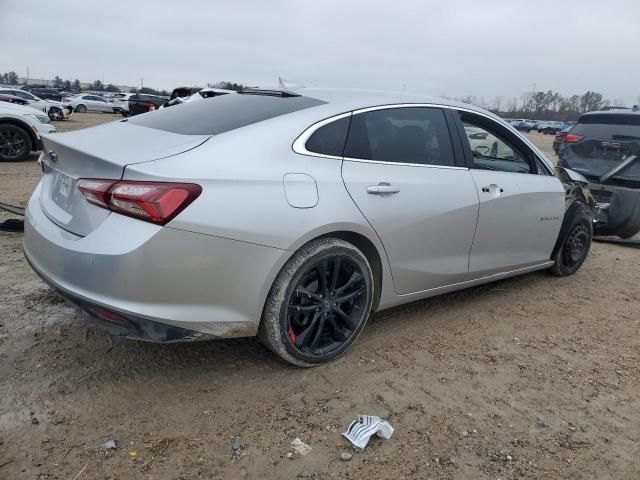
(403, 135)
(224, 113)
(330, 139)
(608, 127)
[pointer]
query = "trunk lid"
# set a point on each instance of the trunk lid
(99, 152)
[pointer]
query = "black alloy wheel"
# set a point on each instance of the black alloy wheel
(319, 303)
(326, 306)
(15, 143)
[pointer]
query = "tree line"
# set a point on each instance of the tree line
(547, 105)
(11, 78)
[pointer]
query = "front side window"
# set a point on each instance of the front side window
(492, 151)
(417, 135)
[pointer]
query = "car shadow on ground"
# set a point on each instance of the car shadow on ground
(88, 356)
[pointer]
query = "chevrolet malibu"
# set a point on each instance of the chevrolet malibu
(293, 215)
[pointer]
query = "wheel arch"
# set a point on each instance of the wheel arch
(25, 126)
(576, 207)
(365, 241)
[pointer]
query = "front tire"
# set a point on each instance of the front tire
(81, 108)
(15, 143)
(55, 114)
(575, 243)
(319, 303)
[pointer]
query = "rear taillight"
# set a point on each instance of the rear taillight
(95, 191)
(151, 107)
(155, 202)
(571, 138)
(560, 135)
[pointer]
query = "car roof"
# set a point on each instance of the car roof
(19, 109)
(613, 111)
(357, 98)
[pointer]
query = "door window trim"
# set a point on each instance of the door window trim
(298, 145)
(531, 155)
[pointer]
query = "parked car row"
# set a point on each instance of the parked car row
(129, 104)
(546, 127)
(55, 110)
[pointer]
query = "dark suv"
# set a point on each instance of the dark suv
(604, 147)
(47, 94)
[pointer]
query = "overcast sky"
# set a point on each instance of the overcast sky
(455, 47)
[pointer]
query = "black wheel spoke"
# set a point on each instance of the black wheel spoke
(302, 336)
(336, 330)
(319, 332)
(305, 308)
(353, 280)
(350, 296)
(336, 271)
(323, 269)
(345, 318)
(303, 292)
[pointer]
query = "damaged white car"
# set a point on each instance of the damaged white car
(54, 110)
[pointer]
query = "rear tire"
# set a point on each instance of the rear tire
(574, 247)
(308, 321)
(15, 143)
(81, 108)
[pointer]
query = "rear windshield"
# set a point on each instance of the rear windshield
(608, 127)
(223, 113)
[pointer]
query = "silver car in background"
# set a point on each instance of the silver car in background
(88, 102)
(293, 215)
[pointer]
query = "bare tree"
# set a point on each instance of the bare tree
(496, 104)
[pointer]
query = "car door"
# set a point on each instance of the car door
(404, 172)
(89, 102)
(34, 102)
(521, 201)
(102, 105)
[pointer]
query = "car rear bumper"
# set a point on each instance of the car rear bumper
(140, 279)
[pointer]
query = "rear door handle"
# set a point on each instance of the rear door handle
(383, 188)
(492, 188)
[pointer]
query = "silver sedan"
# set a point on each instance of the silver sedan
(293, 215)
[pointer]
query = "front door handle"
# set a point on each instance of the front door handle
(383, 188)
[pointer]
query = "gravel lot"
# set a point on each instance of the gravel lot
(532, 377)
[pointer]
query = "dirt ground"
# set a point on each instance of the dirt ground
(534, 377)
